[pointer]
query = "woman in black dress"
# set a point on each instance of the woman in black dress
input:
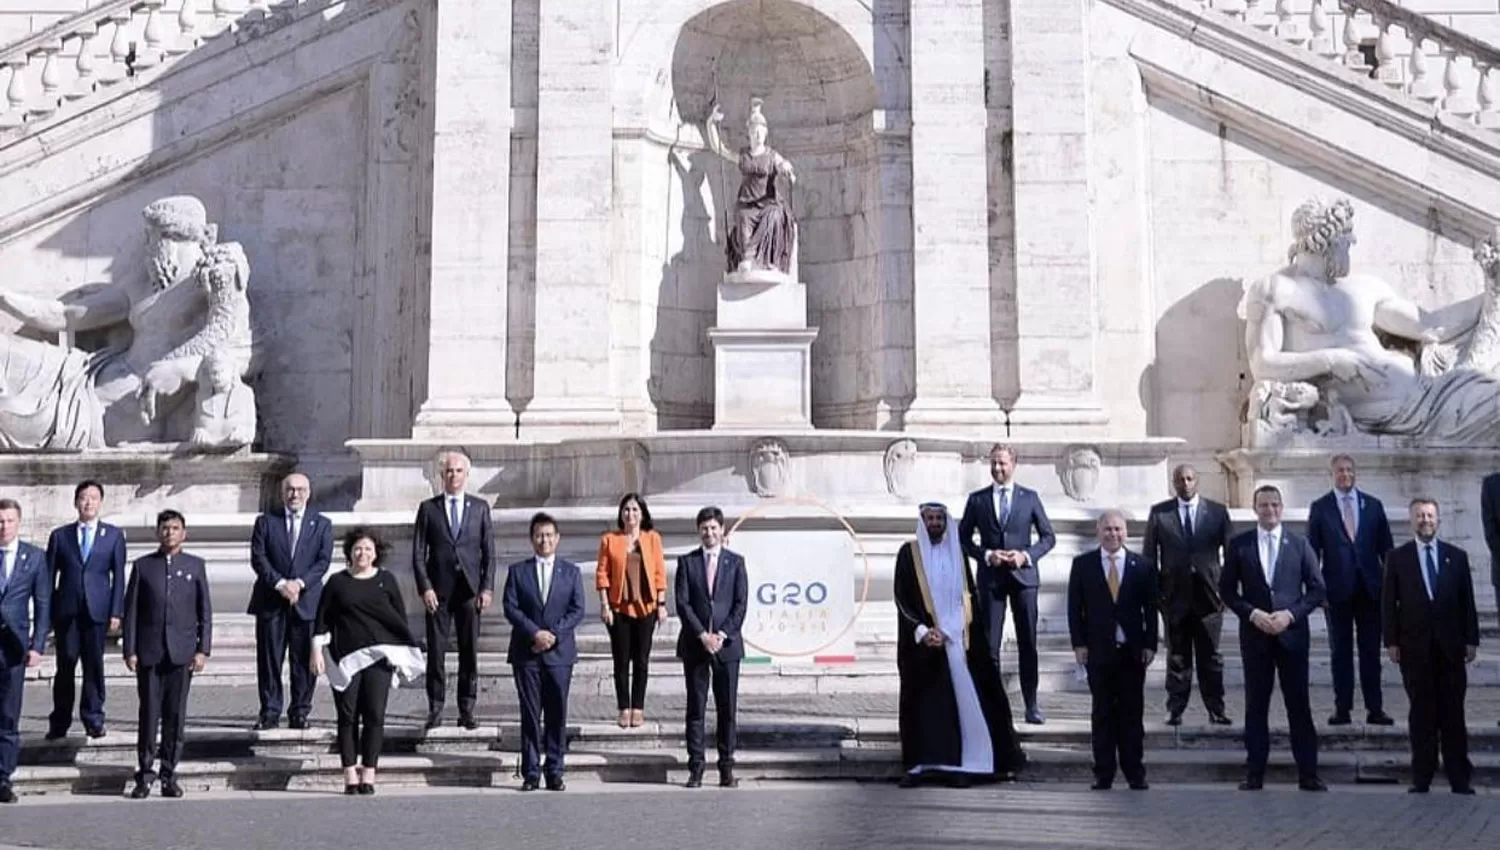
(362, 622)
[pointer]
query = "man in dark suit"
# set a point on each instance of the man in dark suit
(544, 602)
(290, 551)
(1005, 515)
(1271, 582)
(1184, 537)
(25, 612)
(1112, 601)
(1432, 631)
(87, 563)
(450, 556)
(169, 633)
(1489, 509)
(712, 591)
(1348, 530)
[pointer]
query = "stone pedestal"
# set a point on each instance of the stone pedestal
(762, 353)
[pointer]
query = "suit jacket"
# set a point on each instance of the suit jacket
(1489, 508)
(1296, 586)
(1416, 623)
(1026, 515)
(528, 613)
(439, 559)
(25, 605)
(721, 607)
(1093, 615)
(1190, 569)
(614, 555)
(273, 560)
(1347, 563)
(169, 616)
(95, 589)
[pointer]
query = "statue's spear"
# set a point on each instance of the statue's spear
(723, 186)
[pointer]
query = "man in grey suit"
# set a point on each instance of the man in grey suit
(25, 602)
(451, 560)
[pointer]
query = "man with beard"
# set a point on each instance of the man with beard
(955, 719)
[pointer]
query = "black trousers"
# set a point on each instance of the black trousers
(1117, 722)
(78, 639)
(995, 596)
(12, 687)
(163, 692)
(1359, 614)
(630, 646)
(277, 634)
(455, 621)
(543, 692)
(1189, 639)
(1269, 661)
(723, 677)
(361, 715)
(1436, 686)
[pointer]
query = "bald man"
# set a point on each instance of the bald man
(290, 551)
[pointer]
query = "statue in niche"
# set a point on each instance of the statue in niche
(1314, 323)
(184, 324)
(1079, 471)
(763, 236)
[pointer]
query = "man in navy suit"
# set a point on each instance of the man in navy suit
(450, 556)
(1005, 515)
(1348, 530)
(25, 603)
(169, 632)
(544, 603)
(87, 563)
(1489, 509)
(1112, 604)
(1271, 582)
(290, 551)
(712, 591)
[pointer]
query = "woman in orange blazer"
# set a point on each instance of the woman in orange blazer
(632, 583)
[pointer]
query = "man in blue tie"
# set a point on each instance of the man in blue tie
(25, 609)
(1432, 632)
(86, 560)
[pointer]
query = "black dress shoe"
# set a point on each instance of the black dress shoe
(909, 780)
(265, 723)
(297, 723)
(468, 722)
(96, 732)
(727, 780)
(434, 719)
(1463, 789)
(530, 784)
(1252, 783)
(1139, 785)
(1418, 789)
(1174, 718)
(170, 788)
(140, 792)
(366, 789)
(1379, 718)
(351, 790)
(1311, 783)
(1339, 718)
(56, 734)
(695, 778)
(556, 783)
(960, 780)
(1101, 785)
(1035, 717)
(1219, 718)
(7, 794)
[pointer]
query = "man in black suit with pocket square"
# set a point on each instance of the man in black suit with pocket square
(290, 551)
(1271, 581)
(1432, 631)
(1184, 538)
(712, 591)
(1005, 515)
(169, 628)
(451, 559)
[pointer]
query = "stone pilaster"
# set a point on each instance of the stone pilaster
(950, 254)
(466, 356)
(574, 199)
(1056, 312)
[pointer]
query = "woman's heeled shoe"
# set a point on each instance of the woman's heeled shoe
(351, 790)
(624, 719)
(637, 717)
(366, 789)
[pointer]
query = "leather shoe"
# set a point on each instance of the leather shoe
(909, 780)
(1101, 785)
(56, 734)
(1311, 783)
(556, 783)
(96, 732)
(1418, 789)
(1139, 785)
(1252, 783)
(170, 788)
(1174, 718)
(727, 780)
(434, 719)
(1339, 718)
(1379, 718)
(297, 723)
(468, 722)
(695, 778)
(140, 792)
(351, 790)
(366, 789)
(1463, 789)
(1219, 718)
(7, 794)
(265, 723)
(1034, 716)
(530, 785)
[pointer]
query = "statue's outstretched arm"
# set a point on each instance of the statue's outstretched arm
(1398, 316)
(715, 142)
(95, 310)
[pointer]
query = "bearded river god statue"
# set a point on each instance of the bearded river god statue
(1323, 374)
(184, 325)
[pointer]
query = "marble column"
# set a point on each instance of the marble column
(466, 355)
(574, 198)
(951, 291)
(1056, 311)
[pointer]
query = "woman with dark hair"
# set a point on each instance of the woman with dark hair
(632, 583)
(362, 622)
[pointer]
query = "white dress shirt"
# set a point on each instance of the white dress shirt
(448, 508)
(1190, 507)
(10, 562)
(93, 528)
(1352, 497)
(1119, 556)
(544, 576)
(1437, 564)
(1010, 501)
(1270, 549)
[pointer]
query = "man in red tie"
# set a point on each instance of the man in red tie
(712, 593)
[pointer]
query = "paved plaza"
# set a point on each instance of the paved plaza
(774, 815)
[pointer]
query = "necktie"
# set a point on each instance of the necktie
(293, 529)
(88, 542)
(4, 568)
(1432, 575)
(541, 578)
(1114, 578)
(713, 570)
(1187, 521)
(1270, 558)
(452, 516)
(1004, 504)
(1350, 528)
